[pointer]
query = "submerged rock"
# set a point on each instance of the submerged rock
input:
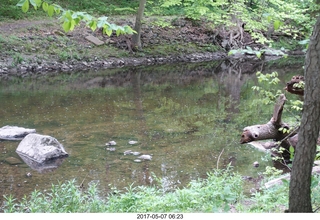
(13, 161)
(40, 148)
(127, 152)
(111, 143)
(145, 157)
(135, 153)
(14, 133)
(44, 167)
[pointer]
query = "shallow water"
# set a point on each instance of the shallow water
(188, 117)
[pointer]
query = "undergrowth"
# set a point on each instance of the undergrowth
(221, 191)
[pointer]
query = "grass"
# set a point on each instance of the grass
(221, 190)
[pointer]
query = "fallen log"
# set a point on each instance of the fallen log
(270, 131)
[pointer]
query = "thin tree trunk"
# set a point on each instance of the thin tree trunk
(136, 38)
(300, 192)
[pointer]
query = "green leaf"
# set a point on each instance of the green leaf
(33, 3)
(25, 6)
(68, 15)
(129, 30)
(77, 21)
(304, 41)
(258, 54)
(118, 32)
(291, 149)
(50, 10)
(276, 24)
(57, 8)
(66, 26)
(93, 25)
(269, 18)
(45, 6)
(38, 2)
(21, 2)
(107, 30)
(72, 25)
(249, 48)
(102, 21)
(114, 27)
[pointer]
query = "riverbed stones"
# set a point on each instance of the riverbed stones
(40, 148)
(14, 132)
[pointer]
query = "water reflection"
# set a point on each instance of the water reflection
(182, 115)
(44, 167)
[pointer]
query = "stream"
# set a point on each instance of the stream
(188, 117)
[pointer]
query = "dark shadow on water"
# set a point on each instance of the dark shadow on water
(45, 167)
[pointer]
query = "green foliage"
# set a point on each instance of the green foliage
(71, 18)
(162, 23)
(62, 198)
(17, 59)
(270, 200)
(266, 91)
(272, 173)
(296, 105)
(214, 194)
(291, 19)
(261, 18)
(275, 199)
(217, 193)
(268, 94)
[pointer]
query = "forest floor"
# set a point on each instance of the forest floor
(42, 46)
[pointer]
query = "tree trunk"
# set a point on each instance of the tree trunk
(136, 41)
(300, 192)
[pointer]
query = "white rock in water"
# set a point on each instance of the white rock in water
(145, 157)
(14, 132)
(40, 148)
(133, 142)
(135, 153)
(111, 143)
(127, 152)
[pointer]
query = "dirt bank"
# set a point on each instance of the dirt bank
(40, 46)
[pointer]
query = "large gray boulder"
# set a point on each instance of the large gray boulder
(14, 133)
(40, 148)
